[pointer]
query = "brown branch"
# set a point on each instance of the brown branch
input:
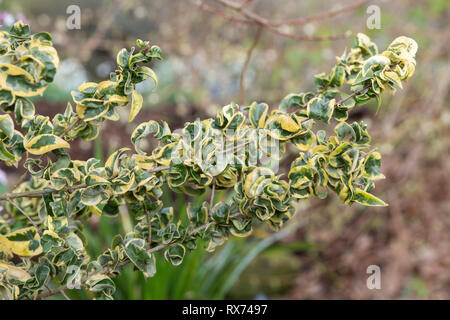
(247, 60)
(149, 225)
(320, 16)
(234, 148)
(353, 94)
(105, 22)
(245, 3)
(64, 294)
(70, 127)
(20, 180)
(221, 14)
(305, 37)
(270, 25)
(39, 193)
(26, 215)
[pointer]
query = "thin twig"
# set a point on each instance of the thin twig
(64, 294)
(307, 38)
(39, 193)
(25, 214)
(20, 180)
(353, 94)
(236, 147)
(149, 225)
(245, 3)
(221, 14)
(105, 22)
(247, 60)
(320, 16)
(70, 127)
(213, 191)
(270, 25)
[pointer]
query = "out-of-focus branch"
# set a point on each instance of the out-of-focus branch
(320, 16)
(249, 16)
(244, 15)
(219, 13)
(26, 216)
(149, 224)
(305, 37)
(40, 192)
(245, 3)
(103, 25)
(247, 60)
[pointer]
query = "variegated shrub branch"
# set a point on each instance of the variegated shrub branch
(42, 243)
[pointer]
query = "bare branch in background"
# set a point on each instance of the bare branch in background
(321, 16)
(24, 213)
(219, 13)
(149, 224)
(245, 3)
(103, 26)
(251, 17)
(247, 60)
(246, 16)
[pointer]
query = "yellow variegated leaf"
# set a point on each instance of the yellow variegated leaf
(112, 163)
(148, 73)
(288, 124)
(105, 85)
(95, 210)
(91, 109)
(6, 126)
(117, 99)
(88, 86)
(367, 199)
(94, 179)
(258, 114)
(47, 53)
(19, 81)
(52, 234)
(319, 149)
(15, 272)
(23, 242)
(44, 143)
(136, 104)
(54, 224)
(123, 184)
(253, 176)
(144, 162)
(74, 242)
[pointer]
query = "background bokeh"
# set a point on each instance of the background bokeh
(326, 253)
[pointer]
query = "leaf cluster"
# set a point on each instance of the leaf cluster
(41, 231)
